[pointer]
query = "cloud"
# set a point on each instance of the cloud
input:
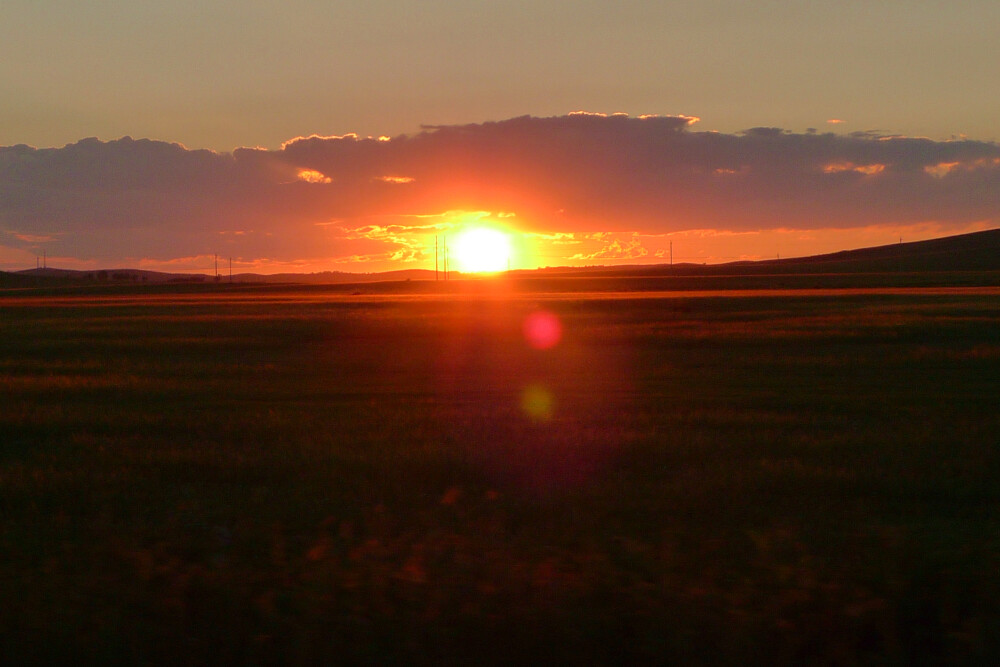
(313, 176)
(576, 174)
(30, 238)
(615, 249)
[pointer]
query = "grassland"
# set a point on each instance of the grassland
(214, 475)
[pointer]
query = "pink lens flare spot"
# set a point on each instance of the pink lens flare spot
(542, 330)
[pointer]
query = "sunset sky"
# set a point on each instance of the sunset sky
(310, 136)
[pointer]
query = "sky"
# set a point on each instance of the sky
(314, 135)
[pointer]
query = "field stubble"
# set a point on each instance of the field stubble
(763, 479)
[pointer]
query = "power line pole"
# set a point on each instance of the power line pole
(435, 257)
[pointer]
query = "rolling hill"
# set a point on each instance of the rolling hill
(966, 253)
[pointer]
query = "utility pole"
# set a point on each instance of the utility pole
(435, 258)
(671, 253)
(230, 269)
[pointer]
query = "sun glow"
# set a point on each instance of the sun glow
(482, 250)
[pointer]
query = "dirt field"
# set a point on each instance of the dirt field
(256, 475)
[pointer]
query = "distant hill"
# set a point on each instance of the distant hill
(976, 252)
(49, 277)
(979, 251)
(333, 277)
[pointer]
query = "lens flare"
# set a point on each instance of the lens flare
(536, 401)
(542, 330)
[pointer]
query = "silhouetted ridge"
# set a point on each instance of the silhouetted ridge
(978, 251)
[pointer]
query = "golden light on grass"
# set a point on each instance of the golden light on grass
(482, 250)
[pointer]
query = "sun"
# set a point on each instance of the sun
(482, 250)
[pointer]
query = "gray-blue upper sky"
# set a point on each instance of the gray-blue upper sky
(224, 73)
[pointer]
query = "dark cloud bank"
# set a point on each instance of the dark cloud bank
(581, 172)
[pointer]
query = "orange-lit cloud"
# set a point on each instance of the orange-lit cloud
(614, 249)
(31, 238)
(941, 169)
(562, 181)
(867, 169)
(313, 176)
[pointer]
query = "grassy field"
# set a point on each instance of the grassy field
(220, 475)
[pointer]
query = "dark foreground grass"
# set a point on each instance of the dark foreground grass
(753, 480)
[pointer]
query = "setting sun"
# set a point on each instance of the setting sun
(482, 250)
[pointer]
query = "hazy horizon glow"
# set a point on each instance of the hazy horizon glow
(572, 190)
(307, 136)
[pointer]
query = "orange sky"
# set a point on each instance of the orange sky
(570, 190)
(218, 74)
(289, 135)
